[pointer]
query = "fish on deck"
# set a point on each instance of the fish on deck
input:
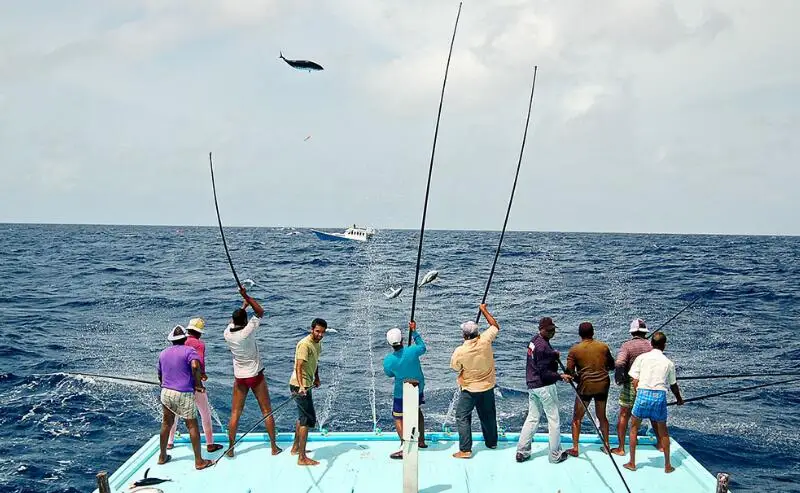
(301, 64)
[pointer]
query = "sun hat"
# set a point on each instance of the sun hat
(469, 328)
(638, 325)
(394, 337)
(176, 334)
(197, 325)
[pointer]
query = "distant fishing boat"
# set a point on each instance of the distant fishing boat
(353, 233)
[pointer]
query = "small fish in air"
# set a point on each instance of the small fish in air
(301, 64)
(149, 481)
(429, 278)
(393, 293)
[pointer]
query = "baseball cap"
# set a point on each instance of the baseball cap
(469, 328)
(177, 333)
(546, 322)
(394, 337)
(638, 325)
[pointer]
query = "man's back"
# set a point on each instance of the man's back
(654, 371)
(404, 363)
(475, 361)
(628, 352)
(592, 360)
(242, 343)
(175, 368)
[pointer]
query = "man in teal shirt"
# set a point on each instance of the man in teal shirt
(401, 364)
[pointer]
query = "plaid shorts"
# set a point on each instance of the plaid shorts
(651, 404)
(627, 396)
(180, 403)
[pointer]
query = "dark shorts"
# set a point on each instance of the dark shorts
(250, 382)
(601, 396)
(397, 406)
(306, 415)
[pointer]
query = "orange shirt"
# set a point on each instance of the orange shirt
(474, 362)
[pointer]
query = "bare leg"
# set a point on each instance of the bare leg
(398, 425)
(262, 396)
(659, 446)
(302, 459)
(172, 431)
(622, 429)
(631, 465)
(600, 410)
(664, 440)
(194, 435)
(166, 424)
(239, 395)
(421, 419)
(295, 443)
(577, 417)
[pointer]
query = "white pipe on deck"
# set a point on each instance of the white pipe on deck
(411, 435)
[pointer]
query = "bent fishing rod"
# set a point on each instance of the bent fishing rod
(695, 300)
(292, 398)
(430, 172)
(597, 428)
(511, 199)
(219, 220)
(734, 391)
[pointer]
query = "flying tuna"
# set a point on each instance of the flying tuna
(429, 277)
(393, 293)
(301, 64)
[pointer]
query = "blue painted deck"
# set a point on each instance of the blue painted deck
(359, 463)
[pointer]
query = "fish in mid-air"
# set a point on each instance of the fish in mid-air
(393, 293)
(301, 64)
(429, 278)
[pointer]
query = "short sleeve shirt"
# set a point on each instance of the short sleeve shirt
(243, 346)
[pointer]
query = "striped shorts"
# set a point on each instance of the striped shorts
(180, 403)
(627, 395)
(650, 404)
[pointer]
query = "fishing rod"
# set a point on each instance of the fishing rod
(511, 199)
(430, 172)
(597, 428)
(743, 389)
(739, 375)
(219, 220)
(697, 298)
(293, 397)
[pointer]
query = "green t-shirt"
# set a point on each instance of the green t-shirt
(308, 351)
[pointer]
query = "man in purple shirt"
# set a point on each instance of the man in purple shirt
(629, 351)
(541, 377)
(180, 376)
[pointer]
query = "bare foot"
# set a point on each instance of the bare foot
(573, 452)
(164, 459)
(276, 450)
(230, 453)
(618, 451)
(462, 455)
(307, 462)
(668, 469)
(660, 448)
(629, 466)
(295, 451)
(203, 464)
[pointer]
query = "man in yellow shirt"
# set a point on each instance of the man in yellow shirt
(304, 376)
(474, 362)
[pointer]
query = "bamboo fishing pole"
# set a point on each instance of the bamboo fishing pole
(734, 391)
(430, 173)
(219, 220)
(511, 199)
(695, 300)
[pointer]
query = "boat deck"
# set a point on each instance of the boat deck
(359, 462)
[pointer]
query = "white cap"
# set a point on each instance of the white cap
(197, 325)
(638, 325)
(177, 333)
(469, 328)
(394, 337)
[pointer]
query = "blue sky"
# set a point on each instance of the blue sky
(649, 116)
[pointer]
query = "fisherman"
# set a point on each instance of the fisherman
(629, 351)
(195, 329)
(248, 371)
(589, 361)
(180, 377)
(403, 363)
(474, 362)
(652, 373)
(541, 377)
(305, 376)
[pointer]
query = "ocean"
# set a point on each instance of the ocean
(101, 299)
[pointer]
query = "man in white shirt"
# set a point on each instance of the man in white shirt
(248, 371)
(652, 373)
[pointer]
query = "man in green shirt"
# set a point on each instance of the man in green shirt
(305, 376)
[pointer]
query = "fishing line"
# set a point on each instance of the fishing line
(597, 428)
(219, 220)
(701, 295)
(743, 389)
(293, 397)
(511, 199)
(430, 172)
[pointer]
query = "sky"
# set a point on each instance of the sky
(649, 116)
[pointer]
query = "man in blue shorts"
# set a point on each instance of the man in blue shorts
(652, 373)
(403, 363)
